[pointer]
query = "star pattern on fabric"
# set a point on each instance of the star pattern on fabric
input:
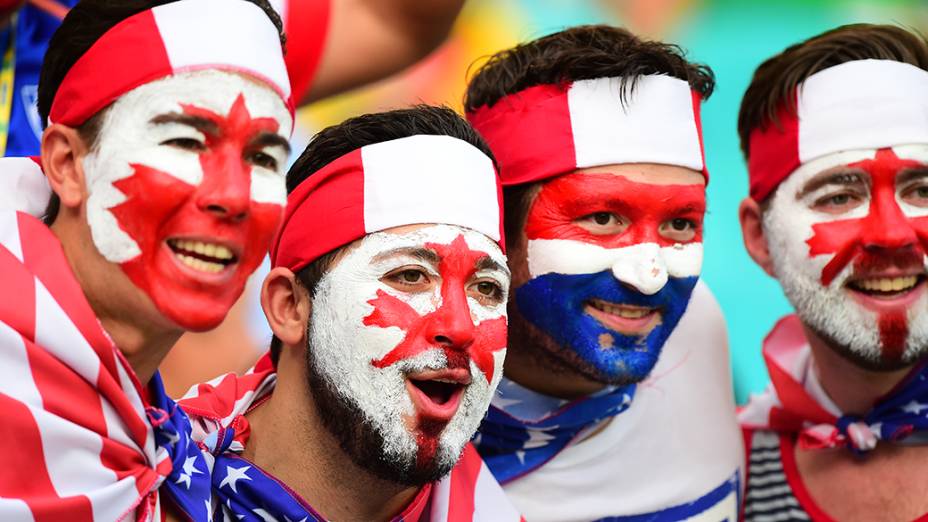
(189, 470)
(233, 475)
(914, 407)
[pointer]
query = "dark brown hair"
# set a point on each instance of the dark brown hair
(775, 81)
(581, 53)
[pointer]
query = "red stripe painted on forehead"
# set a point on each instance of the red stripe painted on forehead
(646, 206)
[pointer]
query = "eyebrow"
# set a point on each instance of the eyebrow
(269, 139)
(199, 123)
(843, 177)
(912, 174)
(422, 254)
(488, 263)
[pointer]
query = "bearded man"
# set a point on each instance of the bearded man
(597, 134)
(388, 304)
(165, 149)
(837, 150)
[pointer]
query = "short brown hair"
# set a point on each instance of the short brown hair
(775, 81)
(584, 52)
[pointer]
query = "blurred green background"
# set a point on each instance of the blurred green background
(731, 36)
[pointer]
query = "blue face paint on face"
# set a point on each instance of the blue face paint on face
(554, 303)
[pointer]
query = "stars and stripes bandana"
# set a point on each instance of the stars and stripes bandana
(242, 491)
(523, 430)
(795, 402)
(87, 443)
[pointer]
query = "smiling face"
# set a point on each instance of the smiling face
(406, 345)
(612, 256)
(185, 188)
(848, 236)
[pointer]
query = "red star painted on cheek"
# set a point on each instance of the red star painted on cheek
(451, 321)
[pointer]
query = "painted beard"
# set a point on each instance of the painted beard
(186, 188)
(856, 278)
(403, 379)
(602, 306)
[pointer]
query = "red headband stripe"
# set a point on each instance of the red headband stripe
(549, 130)
(414, 180)
(864, 104)
(181, 36)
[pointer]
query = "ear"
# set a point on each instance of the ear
(752, 230)
(62, 151)
(286, 305)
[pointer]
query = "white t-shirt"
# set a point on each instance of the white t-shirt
(677, 447)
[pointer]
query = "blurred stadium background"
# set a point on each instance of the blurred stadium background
(732, 36)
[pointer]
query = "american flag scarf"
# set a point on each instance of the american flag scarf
(86, 443)
(793, 403)
(513, 443)
(243, 491)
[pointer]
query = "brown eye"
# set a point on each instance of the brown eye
(839, 202)
(602, 218)
(488, 289)
(602, 223)
(679, 229)
(681, 225)
(411, 276)
(264, 160)
(190, 144)
(917, 196)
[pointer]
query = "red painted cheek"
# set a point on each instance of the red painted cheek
(450, 327)
(566, 199)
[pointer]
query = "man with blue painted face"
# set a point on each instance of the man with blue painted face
(603, 413)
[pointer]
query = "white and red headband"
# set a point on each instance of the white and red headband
(186, 35)
(864, 104)
(414, 180)
(549, 130)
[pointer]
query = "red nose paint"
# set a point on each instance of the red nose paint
(159, 206)
(450, 327)
(884, 232)
(644, 206)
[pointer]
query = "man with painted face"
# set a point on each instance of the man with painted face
(387, 299)
(597, 134)
(165, 148)
(837, 151)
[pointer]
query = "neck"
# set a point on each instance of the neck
(319, 471)
(140, 332)
(852, 388)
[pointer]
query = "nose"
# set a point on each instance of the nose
(642, 267)
(887, 227)
(225, 190)
(453, 326)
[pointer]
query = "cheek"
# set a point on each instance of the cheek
(264, 220)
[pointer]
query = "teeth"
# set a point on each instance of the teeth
(199, 264)
(887, 284)
(205, 249)
(621, 311)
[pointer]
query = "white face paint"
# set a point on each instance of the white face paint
(368, 333)
(829, 307)
(186, 188)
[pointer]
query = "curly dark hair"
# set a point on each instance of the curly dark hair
(774, 83)
(582, 53)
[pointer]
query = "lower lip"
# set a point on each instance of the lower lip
(429, 410)
(624, 325)
(888, 304)
(221, 277)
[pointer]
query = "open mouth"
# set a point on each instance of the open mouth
(202, 256)
(622, 318)
(436, 394)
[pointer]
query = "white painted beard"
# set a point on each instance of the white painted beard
(830, 310)
(343, 350)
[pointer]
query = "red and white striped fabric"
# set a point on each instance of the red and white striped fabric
(468, 493)
(549, 130)
(864, 104)
(306, 23)
(80, 447)
(412, 180)
(186, 35)
(23, 186)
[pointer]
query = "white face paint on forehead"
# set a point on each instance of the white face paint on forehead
(829, 309)
(366, 357)
(128, 136)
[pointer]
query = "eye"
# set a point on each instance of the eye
(917, 195)
(679, 229)
(408, 279)
(488, 292)
(839, 202)
(603, 223)
(262, 159)
(191, 144)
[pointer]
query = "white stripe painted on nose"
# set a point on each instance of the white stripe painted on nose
(641, 267)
